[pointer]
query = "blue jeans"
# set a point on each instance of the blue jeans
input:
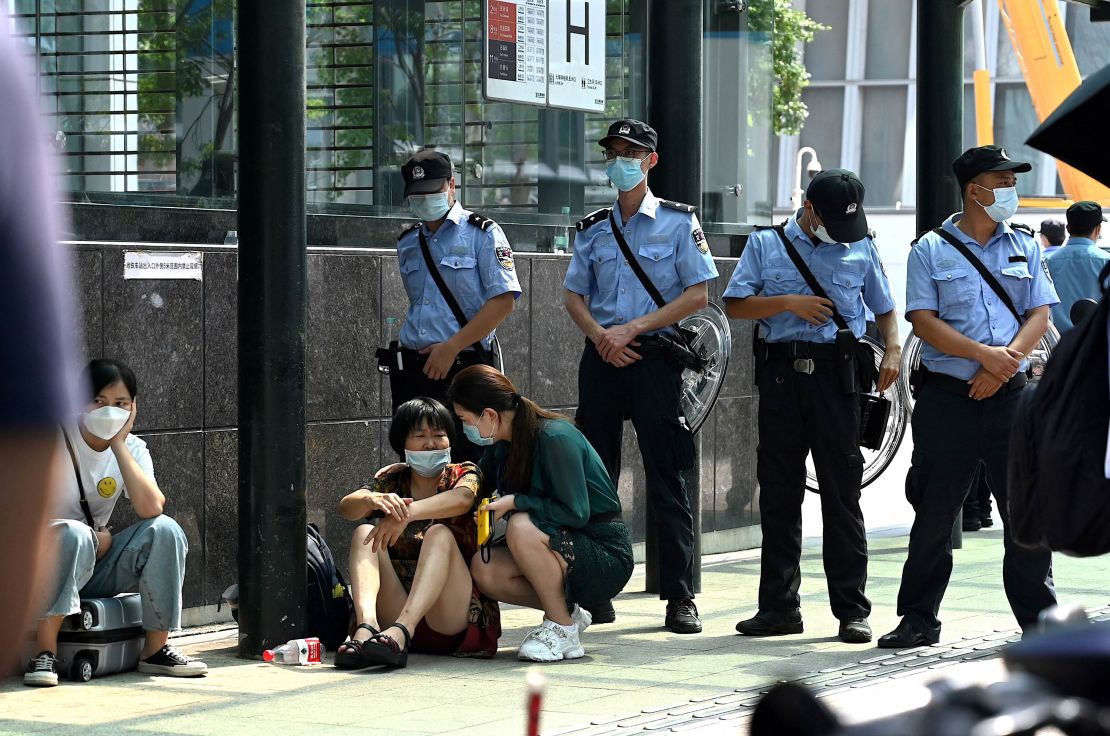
(148, 557)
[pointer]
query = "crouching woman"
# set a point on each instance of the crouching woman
(565, 541)
(409, 573)
(104, 461)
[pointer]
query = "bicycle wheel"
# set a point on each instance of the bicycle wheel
(876, 461)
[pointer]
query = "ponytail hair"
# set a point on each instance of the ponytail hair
(482, 387)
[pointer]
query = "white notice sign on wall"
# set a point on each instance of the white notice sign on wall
(516, 51)
(576, 55)
(145, 264)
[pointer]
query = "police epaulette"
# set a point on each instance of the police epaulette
(592, 219)
(1022, 227)
(920, 235)
(405, 231)
(678, 206)
(479, 221)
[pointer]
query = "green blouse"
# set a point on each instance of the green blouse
(569, 482)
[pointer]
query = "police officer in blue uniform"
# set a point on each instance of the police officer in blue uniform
(974, 361)
(475, 262)
(625, 370)
(806, 405)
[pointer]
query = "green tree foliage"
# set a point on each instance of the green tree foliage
(789, 29)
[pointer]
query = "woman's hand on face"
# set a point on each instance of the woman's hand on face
(385, 533)
(121, 436)
(389, 470)
(389, 504)
(502, 506)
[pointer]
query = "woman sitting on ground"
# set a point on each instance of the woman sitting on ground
(565, 539)
(410, 571)
(104, 462)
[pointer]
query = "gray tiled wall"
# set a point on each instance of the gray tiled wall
(180, 337)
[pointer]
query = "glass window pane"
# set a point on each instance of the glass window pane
(823, 126)
(888, 39)
(1014, 121)
(826, 54)
(1090, 41)
(884, 136)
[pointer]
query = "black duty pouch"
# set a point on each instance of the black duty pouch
(846, 349)
(873, 414)
(679, 350)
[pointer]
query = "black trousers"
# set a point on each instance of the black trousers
(411, 383)
(951, 435)
(801, 414)
(647, 393)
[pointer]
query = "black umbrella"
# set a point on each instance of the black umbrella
(1073, 133)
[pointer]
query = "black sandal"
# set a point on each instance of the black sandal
(382, 649)
(352, 657)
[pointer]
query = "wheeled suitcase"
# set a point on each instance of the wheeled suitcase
(104, 638)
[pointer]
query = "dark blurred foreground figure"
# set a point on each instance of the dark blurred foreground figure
(36, 372)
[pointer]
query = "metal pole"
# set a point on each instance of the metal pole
(273, 266)
(940, 116)
(674, 94)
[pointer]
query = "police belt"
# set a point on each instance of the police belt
(958, 386)
(805, 357)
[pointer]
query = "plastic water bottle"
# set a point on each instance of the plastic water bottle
(296, 651)
(562, 239)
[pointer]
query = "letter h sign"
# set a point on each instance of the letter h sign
(583, 31)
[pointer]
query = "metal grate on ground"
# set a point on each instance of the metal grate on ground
(731, 706)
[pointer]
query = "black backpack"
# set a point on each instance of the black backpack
(328, 603)
(1059, 495)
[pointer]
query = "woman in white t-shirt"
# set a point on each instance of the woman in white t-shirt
(103, 462)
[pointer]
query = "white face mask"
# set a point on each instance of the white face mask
(823, 235)
(1005, 203)
(105, 422)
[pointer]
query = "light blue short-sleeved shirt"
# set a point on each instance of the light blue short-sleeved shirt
(476, 265)
(669, 245)
(1075, 269)
(939, 279)
(851, 274)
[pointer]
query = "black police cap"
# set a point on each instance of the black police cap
(837, 195)
(975, 161)
(425, 171)
(1085, 216)
(633, 131)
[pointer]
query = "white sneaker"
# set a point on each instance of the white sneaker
(550, 642)
(42, 671)
(582, 617)
(169, 661)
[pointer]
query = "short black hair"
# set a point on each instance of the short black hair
(413, 414)
(1080, 232)
(103, 372)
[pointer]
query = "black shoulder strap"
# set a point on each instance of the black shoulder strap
(987, 275)
(480, 221)
(80, 486)
(448, 297)
(680, 206)
(591, 219)
(811, 280)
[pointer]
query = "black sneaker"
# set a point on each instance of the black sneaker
(972, 524)
(601, 613)
(169, 661)
(682, 617)
(986, 521)
(772, 623)
(42, 671)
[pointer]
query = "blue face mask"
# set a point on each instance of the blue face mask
(625, 173)
(429, 207)
(475, 436)
(428, 463)
(1005, 203)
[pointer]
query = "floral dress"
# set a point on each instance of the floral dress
(479, 639)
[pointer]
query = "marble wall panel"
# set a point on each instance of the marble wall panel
(556, 342)
(179, 469)
(221, 512)
(341, 457)
(734, 485)
(156, 327)
(221, 330)
(89, 277)
(343, 333)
